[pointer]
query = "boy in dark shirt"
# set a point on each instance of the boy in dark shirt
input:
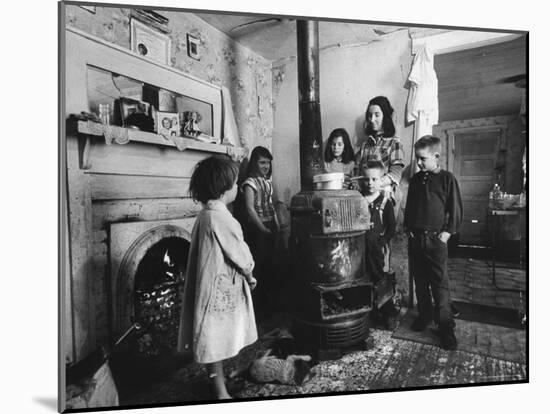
(378, 237)
(433, 213)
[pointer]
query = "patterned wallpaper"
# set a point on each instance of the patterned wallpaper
(223, 62)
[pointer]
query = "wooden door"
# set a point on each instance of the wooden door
(475, 154)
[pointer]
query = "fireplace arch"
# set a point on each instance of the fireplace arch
(125, 277)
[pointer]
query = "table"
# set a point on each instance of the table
(494, 214)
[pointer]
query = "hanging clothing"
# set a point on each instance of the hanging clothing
(217, 317)
(230, 133)
(422, 104)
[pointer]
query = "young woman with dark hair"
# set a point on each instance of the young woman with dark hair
(382, 145)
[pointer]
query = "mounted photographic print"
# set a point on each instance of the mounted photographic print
(193, 47)
(149, 42)
(287, 242)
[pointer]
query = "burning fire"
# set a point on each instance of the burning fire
(169, 263)
(167, 259)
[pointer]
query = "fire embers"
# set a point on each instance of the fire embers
(336, 258)
(158, 309)
(157, 298)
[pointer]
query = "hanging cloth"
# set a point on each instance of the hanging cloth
(230, 133)
(422, 105)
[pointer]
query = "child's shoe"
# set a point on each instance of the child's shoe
(448, 339)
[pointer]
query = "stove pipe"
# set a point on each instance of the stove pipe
(309, 107)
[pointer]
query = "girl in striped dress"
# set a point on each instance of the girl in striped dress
(262, 225)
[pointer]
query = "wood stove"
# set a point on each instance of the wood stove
(332, 294)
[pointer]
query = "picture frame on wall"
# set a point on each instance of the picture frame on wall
(148, 42)
(129, 219)
(193, 44)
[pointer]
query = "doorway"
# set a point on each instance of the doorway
(474, 153)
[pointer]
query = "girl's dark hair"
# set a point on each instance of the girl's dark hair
(252, 168)
(348, 154)
(388, 128)
(212, 177)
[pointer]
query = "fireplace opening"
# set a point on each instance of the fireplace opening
(149, 353)
(157, 294)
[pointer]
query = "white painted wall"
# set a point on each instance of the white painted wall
(349, 77)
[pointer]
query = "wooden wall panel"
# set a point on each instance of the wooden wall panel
(129, 159)
(472, 82)
(114, 211)
(80, 221)
(123, 187)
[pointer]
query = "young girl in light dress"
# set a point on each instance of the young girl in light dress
(217, 318)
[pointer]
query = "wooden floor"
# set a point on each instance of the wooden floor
(472, 281)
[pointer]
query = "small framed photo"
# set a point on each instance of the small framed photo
(193, 47)
(167, 123)
(149, 42)
(131, 113)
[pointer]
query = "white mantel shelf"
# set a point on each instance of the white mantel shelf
(95, 129)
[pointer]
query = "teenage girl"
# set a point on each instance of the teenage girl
(339, 156)
(262, 224)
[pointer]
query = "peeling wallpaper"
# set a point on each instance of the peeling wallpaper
(223, 62)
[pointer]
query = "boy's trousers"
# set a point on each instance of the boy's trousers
(374, 255)
(428, 260)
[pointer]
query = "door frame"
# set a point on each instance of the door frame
(451, 140)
